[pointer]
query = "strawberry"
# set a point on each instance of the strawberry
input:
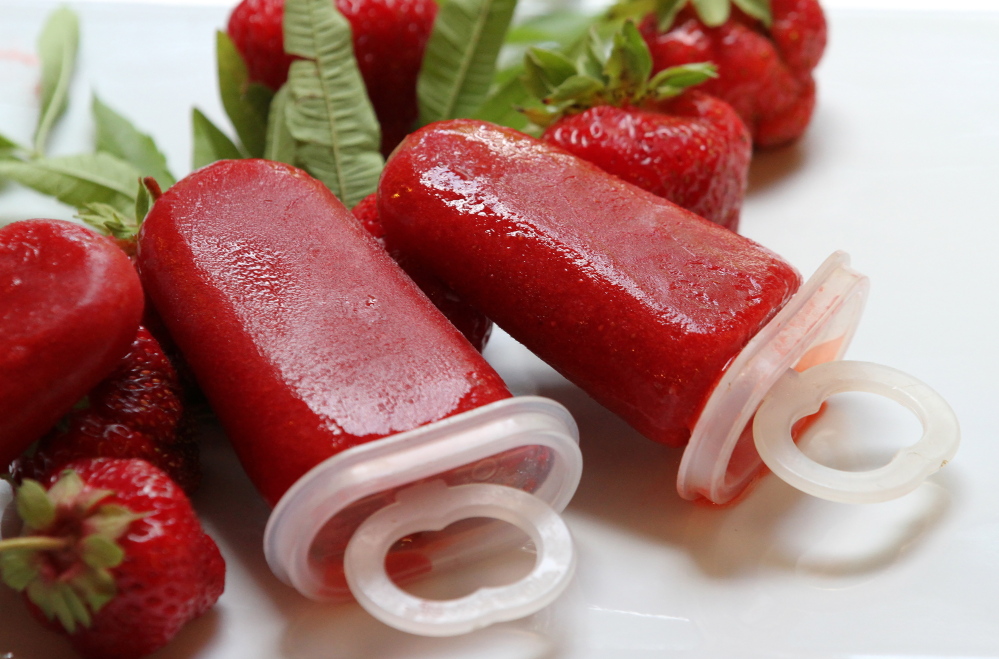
(765, 57)
(470, 322)
(389, 37)
(136, 412)
(113, 555)
(70, 303)
(658, 134)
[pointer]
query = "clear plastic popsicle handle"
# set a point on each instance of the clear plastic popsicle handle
(783, 374)
(516, 460)
(796, 395)
(432, 506)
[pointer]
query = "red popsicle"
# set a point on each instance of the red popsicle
(70, 304)
(638, 301)
(304, 334)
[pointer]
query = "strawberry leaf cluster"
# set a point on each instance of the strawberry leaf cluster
(69, 544)
(620, 75)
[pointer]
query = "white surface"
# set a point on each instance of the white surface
(898, 169)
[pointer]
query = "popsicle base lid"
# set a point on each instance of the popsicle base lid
(352, 526)
(783, 375)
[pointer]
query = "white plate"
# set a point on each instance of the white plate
(898, 169)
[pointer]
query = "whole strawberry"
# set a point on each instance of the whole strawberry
(765, 58)
(475, 326)
(112, 555)
(658, 134)
(136, 412)
(389, 37)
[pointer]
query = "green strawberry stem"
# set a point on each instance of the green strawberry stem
(39, 543)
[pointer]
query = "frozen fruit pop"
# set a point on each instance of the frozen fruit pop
(638, 301)
(304, 334)
(70, 304)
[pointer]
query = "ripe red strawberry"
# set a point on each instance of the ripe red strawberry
(765, 62)
(112, 555)
(471, 323)
(136, 412)
(70, 304)
(390, 37)
(680, 144)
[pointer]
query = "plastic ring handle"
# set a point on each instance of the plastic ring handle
(796, 395)
(433, 506)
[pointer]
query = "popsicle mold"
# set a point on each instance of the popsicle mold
(333, 533)
(784, 374)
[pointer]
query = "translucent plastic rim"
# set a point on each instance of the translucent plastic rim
(412, 457)
(815, 326)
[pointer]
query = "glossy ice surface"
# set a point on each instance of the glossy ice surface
(637, 301)
(904, 185)
(70, 304)
(306, 337)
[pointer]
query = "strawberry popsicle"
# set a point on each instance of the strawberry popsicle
(638, 301)
(359, 412)
(305, 336)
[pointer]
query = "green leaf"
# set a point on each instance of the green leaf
(631, 9)
(280, 141)
(100, 552)
(545, 70)
(629, 64)
(108, 220)
(676, 79)
(142, 202)
(712, 12)
(57, 47)
(116, 135)
(576, 87)
(246, 103)
(17, 568)
(666, 11)
(97, 587)
(758, 9)
(328, 111)
(78, 180)
(8, 147)
(210, 143)
(34, 505)
(502, 105)
(561, 27)
(460, 59)
(112, 521)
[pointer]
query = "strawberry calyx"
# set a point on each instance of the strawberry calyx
(710, 12)
(618, 74)
(110, 221)
(62, 560)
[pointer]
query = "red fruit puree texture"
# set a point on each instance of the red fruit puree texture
(70, 304)
(304, 334)
(636, 300)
